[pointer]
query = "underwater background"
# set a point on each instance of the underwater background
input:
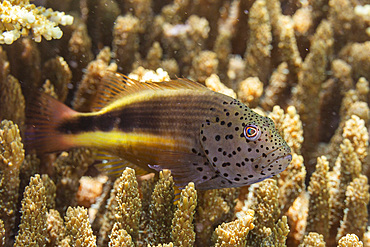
(305, 64)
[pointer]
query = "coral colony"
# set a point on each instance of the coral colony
(304, 64)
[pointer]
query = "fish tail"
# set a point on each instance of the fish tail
(44, 116)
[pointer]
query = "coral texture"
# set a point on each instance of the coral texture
(20, 17)
(304, 64)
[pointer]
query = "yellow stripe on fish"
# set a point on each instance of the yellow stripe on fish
(200, 135)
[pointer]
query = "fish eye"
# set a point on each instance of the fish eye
(252, 132)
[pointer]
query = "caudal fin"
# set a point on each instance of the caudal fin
(44, 115)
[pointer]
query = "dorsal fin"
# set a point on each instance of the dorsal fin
(115, 85)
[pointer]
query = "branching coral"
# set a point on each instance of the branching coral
(355, 214)
(33, 227)
(128, 209)
(258, 53)
(310, 78)
(78, 227)
(313, 239)
(182, 224)
(18, 18)
(350, 240)
(226, 45)
(214, 207)
(11, 158)
(161, 208)
(267, 212)
(224, 234)
(318, 190)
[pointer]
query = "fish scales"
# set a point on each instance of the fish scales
(200, 135)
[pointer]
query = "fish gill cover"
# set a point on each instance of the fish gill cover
(302, 63)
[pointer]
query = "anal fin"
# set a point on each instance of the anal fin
(114, 165)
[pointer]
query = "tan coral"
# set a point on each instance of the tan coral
(234, 233)
(350, 240)
(276, 88)
(214, 207)
(214, 83)
(69, 168)
(21, 17)
(161, 208)
(267, 212)
(258, 53)
(290, 126)
(204, 65)
(142, 74)
(347, 167)
(33, 227)
(310, 78)
(297, 219)
(55, 227)
(78, 227)
(126, 42)
(10, 94)
(128, 209)
(11, 158)
(356, 131)
(89, 84)
(313, 239)
(355, 214)
(120, 238)
(182, 224)
(291, 182)
(318, 190)
(59, 73)
(250, 90)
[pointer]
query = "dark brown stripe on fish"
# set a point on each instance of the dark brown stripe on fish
(171, 115)
(89, 123)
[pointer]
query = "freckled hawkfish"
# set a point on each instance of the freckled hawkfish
(202, 136)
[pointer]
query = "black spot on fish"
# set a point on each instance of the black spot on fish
(214, 159)
(226, 174)
(204, 138)
(194, 151)
(217, 137)
(200, 169)
(229, 124)
(226, 164)
(205, 177)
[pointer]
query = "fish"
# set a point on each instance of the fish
(201, 136)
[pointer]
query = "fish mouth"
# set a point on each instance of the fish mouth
(282, 161)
